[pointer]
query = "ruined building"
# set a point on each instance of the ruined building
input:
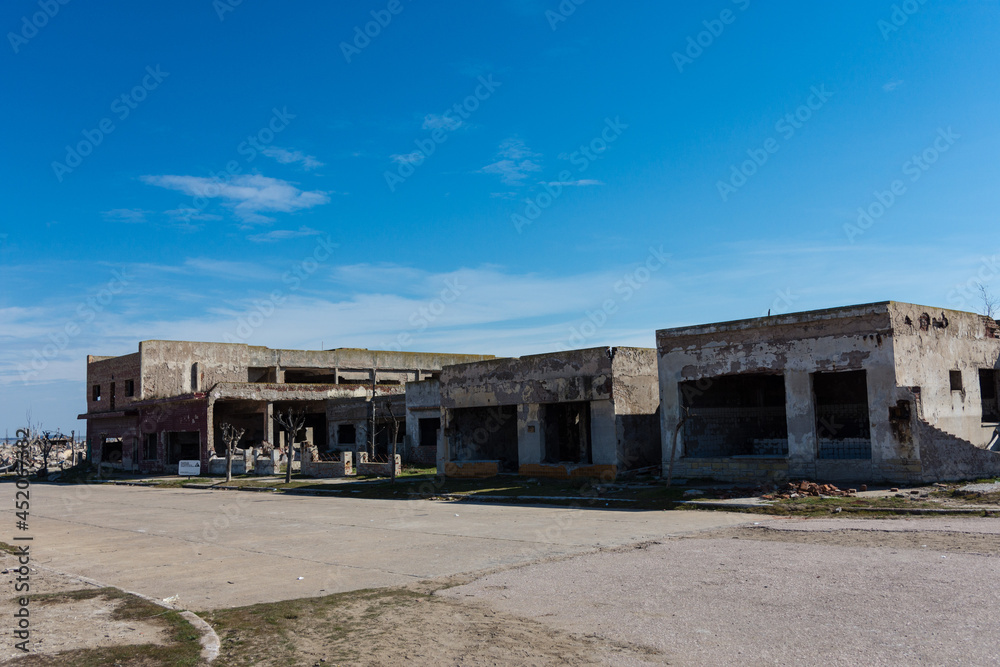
(590, 413)
(149, 410)
(886, 391)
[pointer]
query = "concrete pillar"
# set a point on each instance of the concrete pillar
(603, 434)
(443, 453)
(669, 415)
(530, 436)
(269, 423)
(800, 416)
(209, 444)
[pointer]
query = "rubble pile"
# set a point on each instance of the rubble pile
(804, 488)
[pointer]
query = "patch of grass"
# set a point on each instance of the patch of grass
(265, 633)
(183, 649)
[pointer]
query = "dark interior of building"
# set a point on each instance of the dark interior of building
(735, 415)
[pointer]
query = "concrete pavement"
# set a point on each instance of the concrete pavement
(218, 549)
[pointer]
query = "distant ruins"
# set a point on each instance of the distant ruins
(878, 392)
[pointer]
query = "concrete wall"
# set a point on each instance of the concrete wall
(954, 340)
(533, 382)
(104, 371)
(423, 401)
(797, 345)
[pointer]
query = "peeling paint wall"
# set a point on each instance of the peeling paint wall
(906, 352)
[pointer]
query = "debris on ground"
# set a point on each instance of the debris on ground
(805, 488)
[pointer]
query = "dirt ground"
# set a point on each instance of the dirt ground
(70, 624)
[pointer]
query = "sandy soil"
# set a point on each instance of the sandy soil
(67, 625)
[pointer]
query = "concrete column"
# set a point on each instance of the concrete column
(603, 434)
(444, 444)
(800, 415)
(530, 436)
(669, 415)
(209, 432)
(269, 423)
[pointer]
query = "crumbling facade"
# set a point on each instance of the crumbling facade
(166, 403)
(883, 392)
(588, 413)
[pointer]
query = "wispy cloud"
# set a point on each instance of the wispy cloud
(188, 214)
(892, 85)
(130, 215)
(435, 121)
(515, 161)
(284, 235)
(285, 156)
(581, 182)
(248, 195)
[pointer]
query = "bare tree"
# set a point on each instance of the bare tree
(990, 304)
(46, 442)
(393, 434)
(292, 422)
(231, 436)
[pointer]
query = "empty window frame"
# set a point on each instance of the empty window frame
(485, 433)
(130, 388)
(347, 434)
(567, 432)
(429, 428)
(735, 415)
(843, 426)
(988, 393)
(111, 394)
(183, 446)
(149, 448)
(95, 392)
(955, 380)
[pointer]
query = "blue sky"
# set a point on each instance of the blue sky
(510, 177)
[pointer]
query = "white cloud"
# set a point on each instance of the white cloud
(435, 121)
(581, 182)
(248, 195)
(892, 85)
(188, 214)
(285, 156)
(284, 235)
(516, 161)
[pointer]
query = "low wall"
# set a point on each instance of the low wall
(217, 466)
(604, 472)
(327, 469)
(748, 470)
(472, 469)
(366, 467)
